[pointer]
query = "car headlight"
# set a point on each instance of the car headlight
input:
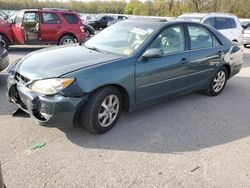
(50, 86)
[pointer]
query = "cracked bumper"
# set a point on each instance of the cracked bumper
(49, 111)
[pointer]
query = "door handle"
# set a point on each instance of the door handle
(184, 60)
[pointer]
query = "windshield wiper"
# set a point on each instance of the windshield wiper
(95, 49)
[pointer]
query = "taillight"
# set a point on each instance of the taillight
(82, 28)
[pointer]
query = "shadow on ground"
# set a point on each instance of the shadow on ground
(187, 123)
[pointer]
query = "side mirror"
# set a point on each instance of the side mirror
(11, 21)
(153, 53)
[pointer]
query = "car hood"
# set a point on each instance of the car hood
(54, 62)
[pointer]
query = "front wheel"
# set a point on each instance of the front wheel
(218, 82)
(102, 110)
(65, 40)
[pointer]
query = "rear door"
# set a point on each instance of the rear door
(50, 27)
(17, 28)
(205, 55)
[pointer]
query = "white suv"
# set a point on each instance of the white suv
(228, 24)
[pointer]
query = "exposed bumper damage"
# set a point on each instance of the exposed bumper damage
(49, 111)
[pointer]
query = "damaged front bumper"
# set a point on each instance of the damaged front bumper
(49, 111)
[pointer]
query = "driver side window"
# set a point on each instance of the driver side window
(170, 40)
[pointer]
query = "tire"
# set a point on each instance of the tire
(99, 119)
(5, 41)
(88, 32)
(216, 87)
(67, 39)
(245, 45)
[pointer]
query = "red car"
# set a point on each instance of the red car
(45, 26)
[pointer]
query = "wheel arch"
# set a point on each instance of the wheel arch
(228, 70)
(10, 42)
(123, 92)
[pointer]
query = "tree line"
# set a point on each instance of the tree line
(241, 8)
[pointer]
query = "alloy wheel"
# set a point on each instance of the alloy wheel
(68, 41)
(108, 111)
(219, 81)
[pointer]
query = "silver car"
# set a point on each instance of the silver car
(246, 37)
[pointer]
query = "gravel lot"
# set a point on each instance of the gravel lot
(191, 141)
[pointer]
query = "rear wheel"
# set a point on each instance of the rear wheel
(5, 42)
(88, 32)
(218, 82)
(67, 39)
(102, 110)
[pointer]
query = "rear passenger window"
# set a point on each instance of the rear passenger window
(210, 22)
(221, 23)
(200, 37)
(71, 18)
(232, 23)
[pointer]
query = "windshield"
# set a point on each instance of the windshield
(123, 38)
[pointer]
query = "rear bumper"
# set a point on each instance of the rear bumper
(49, 111)
(4, 59)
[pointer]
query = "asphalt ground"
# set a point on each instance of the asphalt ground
(190, 141)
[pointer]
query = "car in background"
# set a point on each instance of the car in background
(4, 59)
(118, 18)
(89, 30)
(246, 37)
(245, 24)
(3, 15)
(228, 24)
(100, 21)
(46, 26)
(129, 65)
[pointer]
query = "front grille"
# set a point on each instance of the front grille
(19, 77)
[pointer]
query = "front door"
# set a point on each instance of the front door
(165, 75)
(17, 28)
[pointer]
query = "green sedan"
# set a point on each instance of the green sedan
(129, 65)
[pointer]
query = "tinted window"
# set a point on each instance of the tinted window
(221, 23)
(232, 23)
(170, 40)
(50, 18)
(199, 37)
(71, 18)
(210, 22)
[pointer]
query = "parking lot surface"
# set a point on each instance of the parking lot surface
(190, 141)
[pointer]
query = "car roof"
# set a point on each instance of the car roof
(48, 10)
(202, 15)
(159, 22)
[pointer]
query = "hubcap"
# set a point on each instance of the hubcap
(88, 33)
(108, 111)
(68, 41)
(219, 81)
